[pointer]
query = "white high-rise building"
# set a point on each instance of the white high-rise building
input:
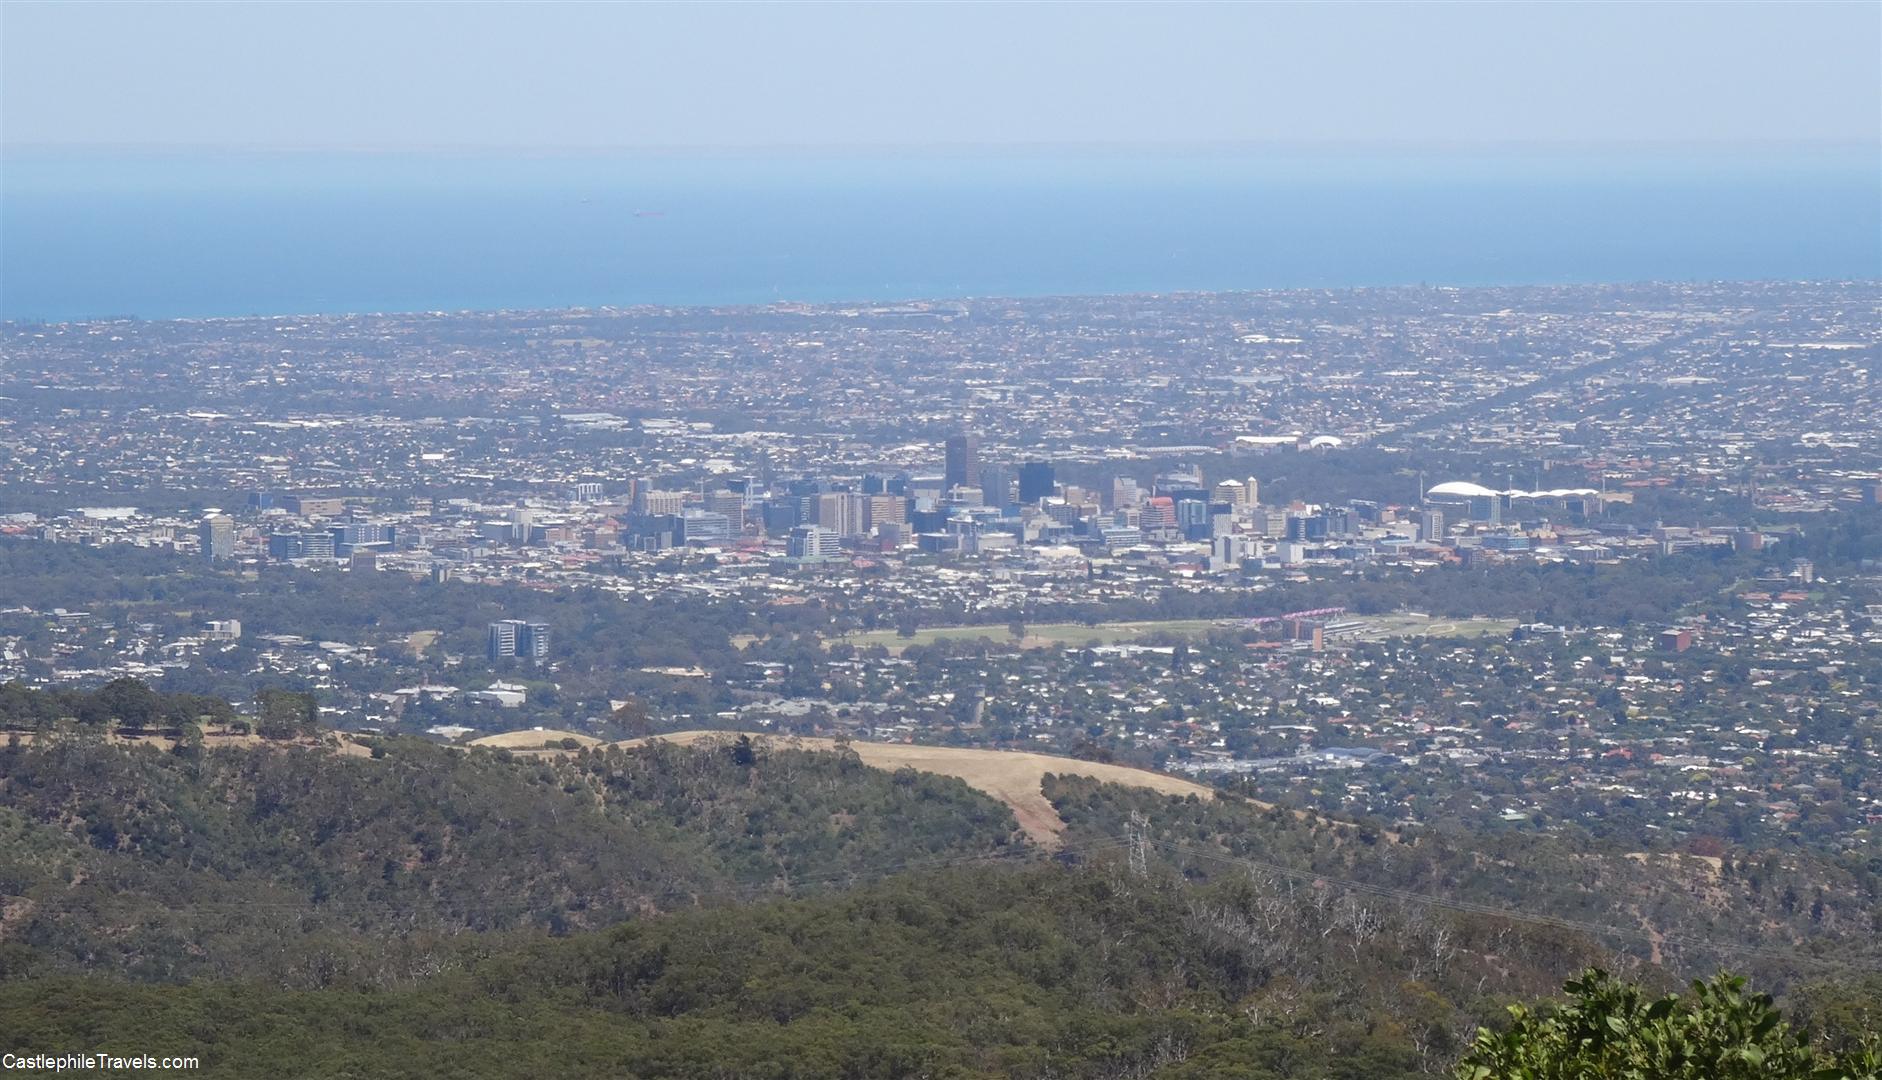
(813, 542)
(517, 637)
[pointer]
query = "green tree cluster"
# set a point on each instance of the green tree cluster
(1608, 1029)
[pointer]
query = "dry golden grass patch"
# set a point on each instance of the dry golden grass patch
(1013, 777)
(532, 739)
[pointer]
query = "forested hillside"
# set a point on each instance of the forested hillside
(1783, 916)
(271, 861)
(293, 908)
(1048, 971)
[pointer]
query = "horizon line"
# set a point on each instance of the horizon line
(954, 299)
(1221, 146)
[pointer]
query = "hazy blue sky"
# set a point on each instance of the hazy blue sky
(595, 75)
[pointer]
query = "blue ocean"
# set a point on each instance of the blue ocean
(161, 235)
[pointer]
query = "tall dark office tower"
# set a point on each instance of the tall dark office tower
(1036, 481)
(996, 485)
(1192, 517)
(534, 642)
(217, 533)
(1488, 508)
(1430, 526)
(963, 460)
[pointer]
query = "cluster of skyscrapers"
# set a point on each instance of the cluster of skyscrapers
(973, 506)
(816, 516)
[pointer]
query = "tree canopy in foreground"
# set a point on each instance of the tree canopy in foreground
(1608, 1028)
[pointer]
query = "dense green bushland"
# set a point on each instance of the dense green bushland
(290, 910)
(1041, 971)
(1036, 972)
(169, 864)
